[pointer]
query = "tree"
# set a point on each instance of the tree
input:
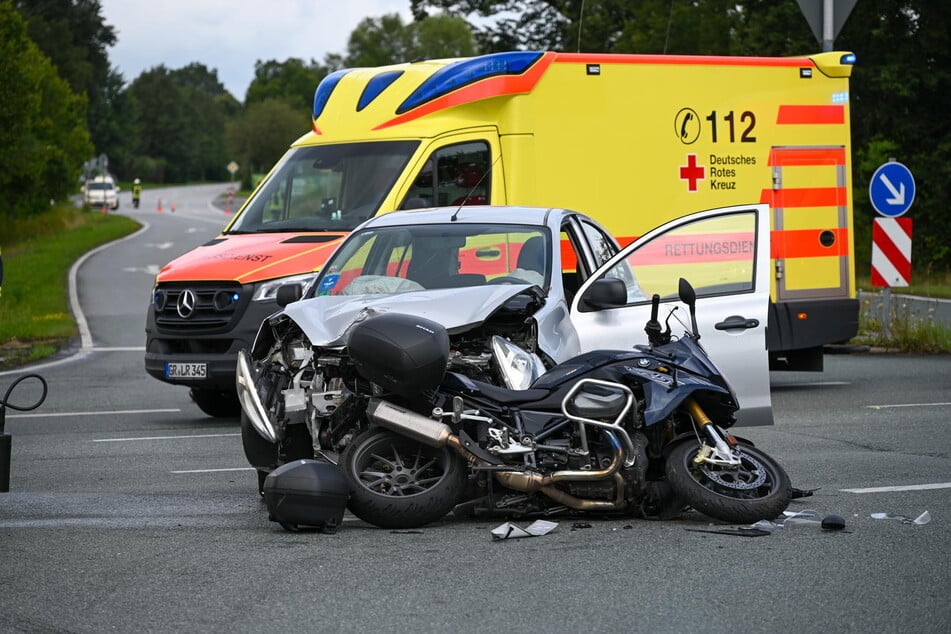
(291, 81)
(386, 40)
(73, 34)
(42, 124)
(181, 122)
(263, 132)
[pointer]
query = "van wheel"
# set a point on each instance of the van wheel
(216, 403)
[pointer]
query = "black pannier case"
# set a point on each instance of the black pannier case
(306, 493)
(401, 353)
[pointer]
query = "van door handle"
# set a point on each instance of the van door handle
(736, 322)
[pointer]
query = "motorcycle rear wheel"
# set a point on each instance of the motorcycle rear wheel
(396, 482)
(758, 489)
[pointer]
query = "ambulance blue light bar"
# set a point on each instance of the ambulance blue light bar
(325, 88)
(848, 58)
(375, 86)
(464, 72)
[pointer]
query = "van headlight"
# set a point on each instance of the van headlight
(267, 291)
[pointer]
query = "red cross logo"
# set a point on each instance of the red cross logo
(691, 172)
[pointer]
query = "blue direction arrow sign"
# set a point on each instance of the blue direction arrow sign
(892, 189)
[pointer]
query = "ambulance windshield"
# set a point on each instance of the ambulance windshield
(325, 187)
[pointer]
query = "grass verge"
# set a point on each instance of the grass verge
(35, 319)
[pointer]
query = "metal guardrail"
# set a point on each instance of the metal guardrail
(886, 307)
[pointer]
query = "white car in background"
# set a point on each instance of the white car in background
(101, 190)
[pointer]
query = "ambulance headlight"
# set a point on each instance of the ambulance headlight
(267, 291)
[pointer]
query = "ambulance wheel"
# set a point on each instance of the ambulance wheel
(216, 403)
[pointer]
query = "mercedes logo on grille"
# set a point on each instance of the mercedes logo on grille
(186, 303)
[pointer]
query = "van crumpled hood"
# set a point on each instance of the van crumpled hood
(325, 319)
(248, 258)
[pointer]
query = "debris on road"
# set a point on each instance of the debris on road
(921, 520)
(508, 530)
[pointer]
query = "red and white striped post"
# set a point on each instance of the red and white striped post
(891, 252)
(891, 260)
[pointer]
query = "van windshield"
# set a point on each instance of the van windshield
(325, 187)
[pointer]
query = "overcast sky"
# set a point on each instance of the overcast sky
(231, 35)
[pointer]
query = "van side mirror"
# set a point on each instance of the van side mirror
(288, 294)
(607, 292)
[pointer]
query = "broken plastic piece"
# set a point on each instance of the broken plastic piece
(508, 530)
(921, 520)
(743, 531)
(799, 518)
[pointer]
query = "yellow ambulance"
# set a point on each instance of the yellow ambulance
(631, 140)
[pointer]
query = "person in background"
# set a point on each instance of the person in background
(136, 192)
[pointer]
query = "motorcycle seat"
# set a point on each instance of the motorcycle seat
(500, 395)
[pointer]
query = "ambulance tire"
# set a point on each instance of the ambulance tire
(216, 403)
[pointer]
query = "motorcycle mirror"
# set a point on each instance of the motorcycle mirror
(689, 297)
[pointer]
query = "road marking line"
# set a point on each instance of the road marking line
(118, 348)
(910, 487)
(215, 470)
(908, 405)
(814, 384)
(104, 413)
(163, 437)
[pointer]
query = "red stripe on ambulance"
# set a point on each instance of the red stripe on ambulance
(806, 115)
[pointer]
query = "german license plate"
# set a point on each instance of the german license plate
(185, 370)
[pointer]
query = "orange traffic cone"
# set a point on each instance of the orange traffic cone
(159, 209)
(172, 207)
(105, 209)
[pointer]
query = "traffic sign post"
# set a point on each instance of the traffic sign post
(891, 190)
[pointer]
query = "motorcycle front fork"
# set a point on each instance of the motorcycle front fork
(719, 451)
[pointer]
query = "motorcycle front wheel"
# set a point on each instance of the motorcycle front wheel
(757, 489)
(396, 482)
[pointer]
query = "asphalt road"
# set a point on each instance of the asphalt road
(131, 511)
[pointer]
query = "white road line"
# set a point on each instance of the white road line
(104, 413)
(814, 384)
(215, 470)
(908, 405)
(910, 487)
(164, 437)
(118, 348)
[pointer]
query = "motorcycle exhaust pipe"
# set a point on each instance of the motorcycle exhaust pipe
(437, 434)
(409, 423)
(530, 482)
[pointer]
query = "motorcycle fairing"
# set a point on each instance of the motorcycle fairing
(661, 399)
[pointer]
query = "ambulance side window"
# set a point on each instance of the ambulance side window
(453, 175)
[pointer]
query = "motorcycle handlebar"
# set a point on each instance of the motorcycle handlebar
(654, 333)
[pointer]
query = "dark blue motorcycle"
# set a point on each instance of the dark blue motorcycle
(639, 432)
